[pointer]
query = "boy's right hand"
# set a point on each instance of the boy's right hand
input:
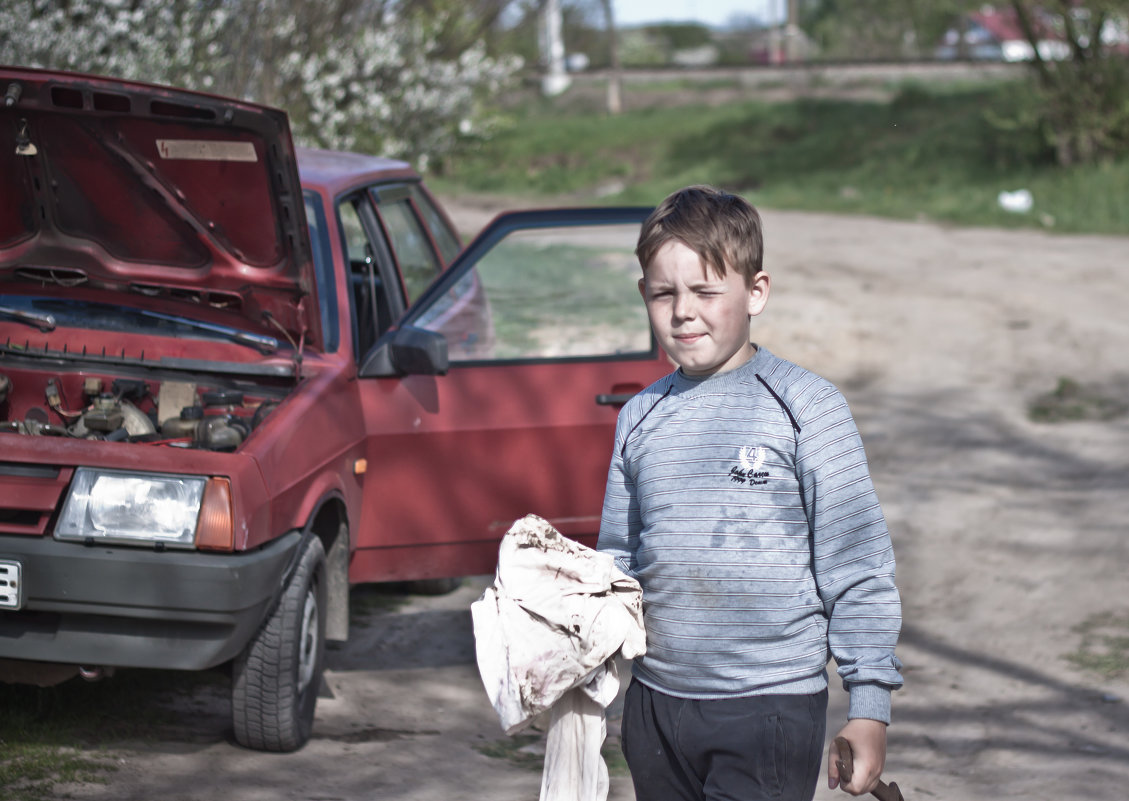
(868, 744)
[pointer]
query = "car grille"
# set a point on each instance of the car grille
(29, 495)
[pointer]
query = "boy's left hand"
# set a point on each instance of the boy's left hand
(868, 742)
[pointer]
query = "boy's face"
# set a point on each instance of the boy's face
(701, 320)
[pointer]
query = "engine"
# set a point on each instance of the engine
(170, 412)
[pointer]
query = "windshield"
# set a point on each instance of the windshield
(113, 317)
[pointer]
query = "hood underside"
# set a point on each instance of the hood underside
(145, 189)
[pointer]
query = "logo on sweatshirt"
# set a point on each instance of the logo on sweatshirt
(749, 469)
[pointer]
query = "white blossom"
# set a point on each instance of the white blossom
(382, 87)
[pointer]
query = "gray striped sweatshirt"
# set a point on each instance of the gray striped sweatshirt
(743, 504)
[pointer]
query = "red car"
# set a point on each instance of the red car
(237, 377)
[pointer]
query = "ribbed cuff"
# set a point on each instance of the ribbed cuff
(871, 701)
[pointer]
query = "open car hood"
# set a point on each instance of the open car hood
(162, 192)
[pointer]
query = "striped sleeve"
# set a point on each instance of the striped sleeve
(853, 560)
(620, 525)
(621, 522)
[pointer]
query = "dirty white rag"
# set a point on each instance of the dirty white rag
(547, 633)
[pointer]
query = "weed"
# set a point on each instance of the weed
(1070, 401)
(613, 758)
(527, 751)
(1104, 648)
(30, 771)
(520, 749)
(59, 734)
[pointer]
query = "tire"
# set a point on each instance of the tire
(275, 680)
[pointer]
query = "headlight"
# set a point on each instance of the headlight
(113, 506)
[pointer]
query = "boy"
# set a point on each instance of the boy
(740, 498)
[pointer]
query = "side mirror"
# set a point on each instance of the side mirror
(407, 351)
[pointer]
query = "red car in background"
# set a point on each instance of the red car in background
(237, 377)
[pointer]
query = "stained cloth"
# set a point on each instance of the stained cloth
(547, 633)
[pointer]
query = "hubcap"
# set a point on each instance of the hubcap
(308, 640)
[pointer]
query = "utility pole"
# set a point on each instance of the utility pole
(615, 99)
(792, 33)
(556, 80)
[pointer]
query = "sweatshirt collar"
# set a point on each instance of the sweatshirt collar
(720, 382)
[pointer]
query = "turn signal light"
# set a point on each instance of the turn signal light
(215, 530)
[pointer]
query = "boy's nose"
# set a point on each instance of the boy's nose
(683, 306)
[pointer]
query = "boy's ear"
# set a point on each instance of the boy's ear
(758, 293)
(643, 287)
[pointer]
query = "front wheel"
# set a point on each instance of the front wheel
(276, 678)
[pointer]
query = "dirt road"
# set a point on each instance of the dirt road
(1012, 539)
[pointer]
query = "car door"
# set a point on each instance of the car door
(546, 338)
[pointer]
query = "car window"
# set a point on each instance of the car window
(419, 264)
(546, 294)
(445, 239)
(357, 246)
(373, 306)
(323, 269)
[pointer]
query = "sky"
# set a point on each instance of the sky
(708, 12)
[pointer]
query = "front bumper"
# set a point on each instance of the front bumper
(128, 607)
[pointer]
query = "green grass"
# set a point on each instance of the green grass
(942, 153)
(612, 752)
(30, 771)
(527, 751)
(511, 749)
(1071, 401)
(65, 733)
(1104, 648)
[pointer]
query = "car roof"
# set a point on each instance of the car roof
(337, 171)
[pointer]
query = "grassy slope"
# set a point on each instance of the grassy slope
(936, 153)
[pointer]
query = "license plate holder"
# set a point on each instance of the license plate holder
(11, 585)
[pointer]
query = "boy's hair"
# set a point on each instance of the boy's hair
(723, 229)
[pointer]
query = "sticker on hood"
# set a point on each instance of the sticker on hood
(206, 150)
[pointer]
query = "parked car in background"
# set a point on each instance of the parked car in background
(992, 34)
(237, 377)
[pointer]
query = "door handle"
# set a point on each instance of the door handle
(614, 398)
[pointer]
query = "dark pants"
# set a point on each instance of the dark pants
(739, 749)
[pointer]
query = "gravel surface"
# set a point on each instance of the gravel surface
(1011, 537)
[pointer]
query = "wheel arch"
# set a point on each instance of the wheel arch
(329, 522)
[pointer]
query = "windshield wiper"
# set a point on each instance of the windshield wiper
(44, 322)
(263, 343)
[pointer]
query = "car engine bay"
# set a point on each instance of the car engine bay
(176, 413)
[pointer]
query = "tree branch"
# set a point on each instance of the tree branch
(1097, 23)
(1023, 16)
(1076, 47)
